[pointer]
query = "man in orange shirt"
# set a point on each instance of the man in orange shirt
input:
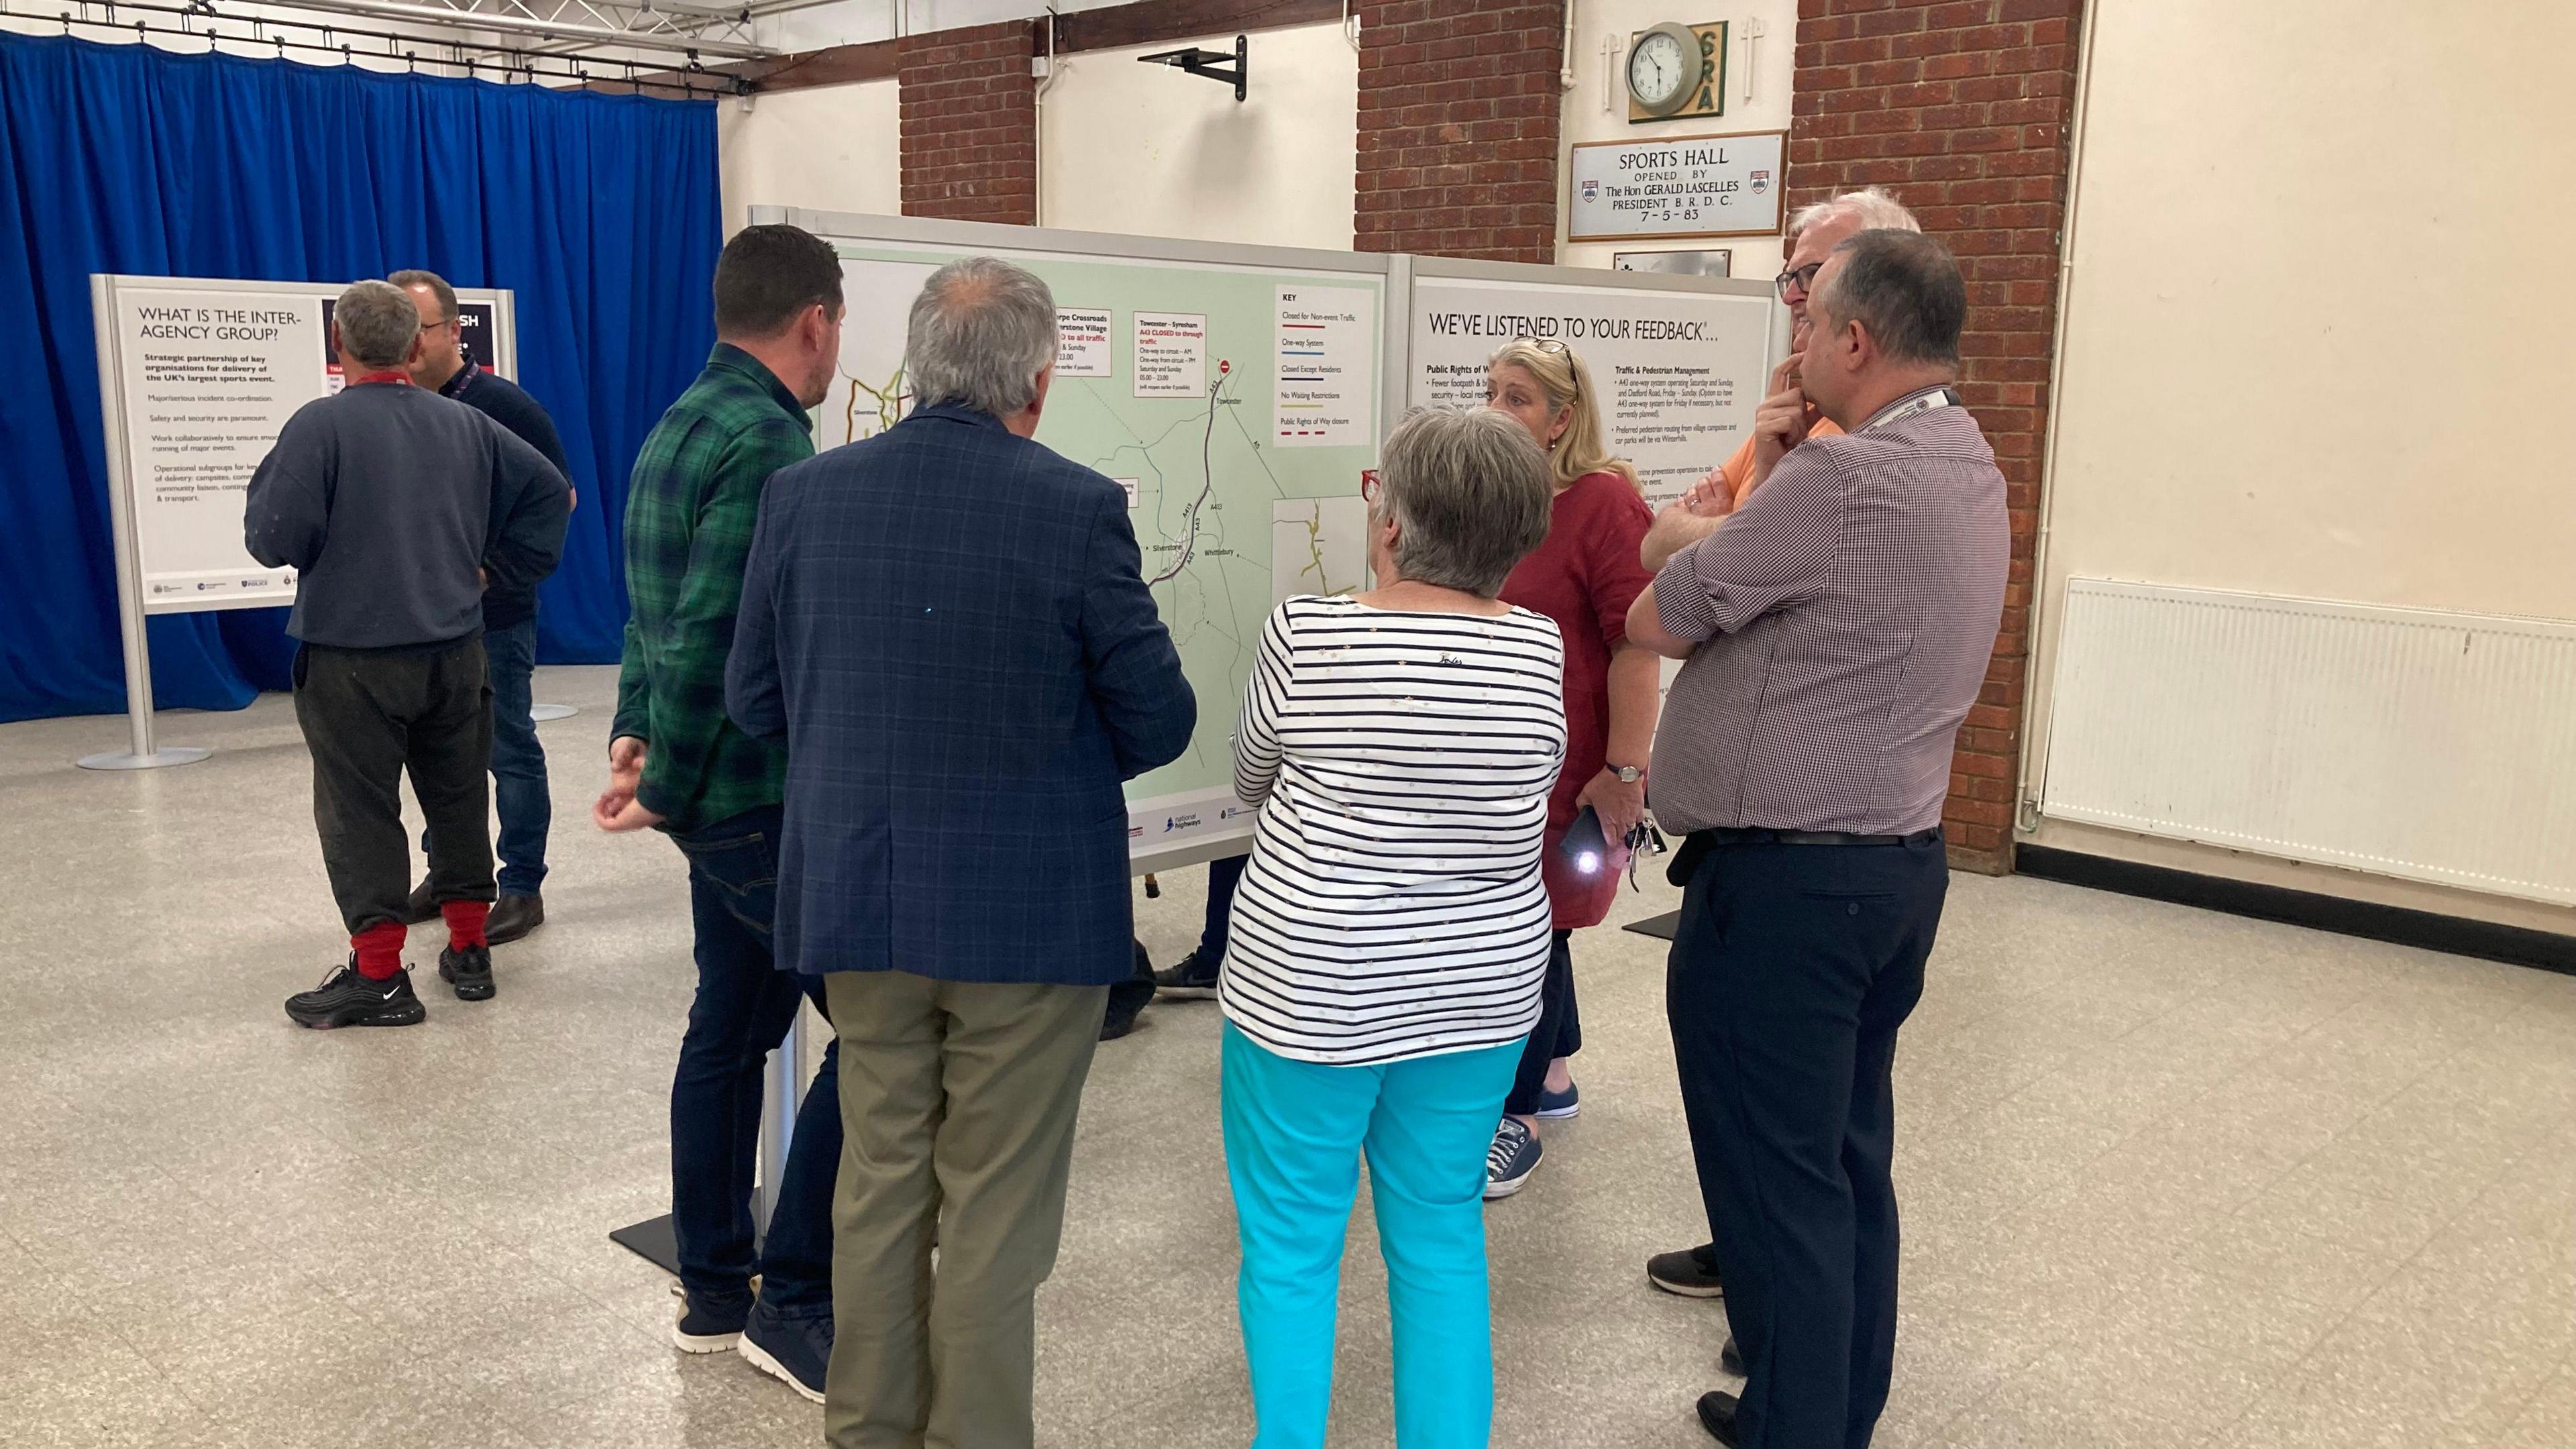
(1785, 418)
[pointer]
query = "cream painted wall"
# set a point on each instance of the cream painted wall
(833, 148)
(2315, 339)
(1607, 25)
(1148, 150)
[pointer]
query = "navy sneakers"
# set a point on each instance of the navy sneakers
(706, 1330)
(1511, 1160)
(1559, 1104)
(793, 1348)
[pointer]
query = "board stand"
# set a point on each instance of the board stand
(656, 1239)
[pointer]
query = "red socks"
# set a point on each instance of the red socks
(465, 922)
(379, 949)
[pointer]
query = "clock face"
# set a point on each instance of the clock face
(1660, 70)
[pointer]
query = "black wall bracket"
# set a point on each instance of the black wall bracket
(1211, 63)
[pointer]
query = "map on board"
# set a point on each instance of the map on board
(1237, 407)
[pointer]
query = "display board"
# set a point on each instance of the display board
(197, 376)
(1681, 362)
(1235, 393)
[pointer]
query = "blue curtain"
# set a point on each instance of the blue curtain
(601, 212)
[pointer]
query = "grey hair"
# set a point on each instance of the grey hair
(1470, 492)
(377, 323)
(981, 332)
(1903, 288)
(1872, 206)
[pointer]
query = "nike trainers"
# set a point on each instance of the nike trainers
(468, 970)
(793, 1348)
(1690, 1272)
(1192, 977)
(1511, 1160)
(346, 998)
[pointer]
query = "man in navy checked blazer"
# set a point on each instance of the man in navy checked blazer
(948, 629)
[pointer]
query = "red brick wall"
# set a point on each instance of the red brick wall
(970, 129)
(1459, 108)
(1960, 108)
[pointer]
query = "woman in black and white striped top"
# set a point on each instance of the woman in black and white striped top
(1391, 930)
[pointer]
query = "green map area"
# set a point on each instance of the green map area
(1218, 495)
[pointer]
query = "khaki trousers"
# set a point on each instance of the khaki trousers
(957, 1112)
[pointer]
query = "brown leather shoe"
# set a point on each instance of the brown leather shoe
(420, 910)
(513, 917)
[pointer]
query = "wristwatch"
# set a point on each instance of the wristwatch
(1628, 774)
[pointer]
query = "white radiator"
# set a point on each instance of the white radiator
(2410, 742)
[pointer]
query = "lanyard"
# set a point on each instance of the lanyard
(1941, 397)
(456, 384)
(397, 378)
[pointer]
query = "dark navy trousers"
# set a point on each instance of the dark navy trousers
(1791, 972)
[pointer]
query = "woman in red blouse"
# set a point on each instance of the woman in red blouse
(1584, 577)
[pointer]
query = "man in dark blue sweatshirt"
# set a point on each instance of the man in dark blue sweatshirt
(519, 794)
(395, 507)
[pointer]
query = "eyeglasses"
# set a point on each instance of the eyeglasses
(1371, 485)
(1802, 278)
(1551, 344)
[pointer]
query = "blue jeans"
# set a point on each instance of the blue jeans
(519, 794)
(1294, 1132)
(743, 1007)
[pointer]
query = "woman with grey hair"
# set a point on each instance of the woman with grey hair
(1391, 931)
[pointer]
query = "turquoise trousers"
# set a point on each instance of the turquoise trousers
(1294, 1134)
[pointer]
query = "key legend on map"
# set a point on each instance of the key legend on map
(1326, 345)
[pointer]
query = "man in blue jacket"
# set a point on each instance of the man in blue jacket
(947, 628)
(398, 509)
(520, 797)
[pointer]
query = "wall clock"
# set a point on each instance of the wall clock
(1676, 71)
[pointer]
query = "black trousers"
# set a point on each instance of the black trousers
(369, 715)
(1793, 968)
(1559, 1032)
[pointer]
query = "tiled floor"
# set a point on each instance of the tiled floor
(2170, 1178)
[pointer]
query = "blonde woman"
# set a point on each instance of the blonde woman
(1583, 578)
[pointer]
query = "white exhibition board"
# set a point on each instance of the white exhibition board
(197, 376)
(1680, 362)
(1236, 394)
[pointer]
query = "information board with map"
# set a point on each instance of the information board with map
(1236, 401)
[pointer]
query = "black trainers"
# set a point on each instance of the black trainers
(701, 1329)
(1717, 1416)
(468, 970)
(1731, 1358)
(1193, 978)
(346, 998)
(793, 1348)
(1692, 1272)
(1129, 998)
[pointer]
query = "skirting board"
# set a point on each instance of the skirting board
(2484, 940)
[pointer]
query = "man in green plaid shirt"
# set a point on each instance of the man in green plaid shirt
(676, 762)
